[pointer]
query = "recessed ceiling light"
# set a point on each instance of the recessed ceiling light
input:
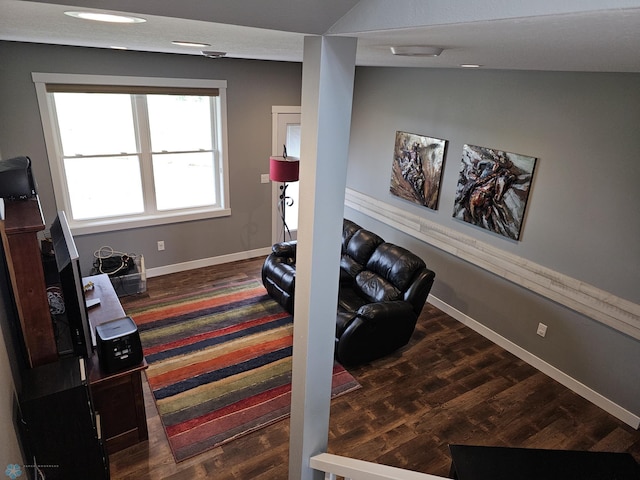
(184, 43)
(416, 51)
(105, 17)
(470, 65)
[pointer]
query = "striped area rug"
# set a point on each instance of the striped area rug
(220, 363)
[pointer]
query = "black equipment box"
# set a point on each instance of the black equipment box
(16, 178)
(118, 344)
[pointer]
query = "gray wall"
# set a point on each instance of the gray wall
(582, 219)
(253, 87)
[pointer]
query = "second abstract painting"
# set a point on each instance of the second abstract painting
(493, 188)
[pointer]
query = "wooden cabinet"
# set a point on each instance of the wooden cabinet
(61, 432)
(19, 229)
(118, 397)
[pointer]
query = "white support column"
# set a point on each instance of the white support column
(327, 96)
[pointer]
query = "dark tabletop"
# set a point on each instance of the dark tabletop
(498, 463)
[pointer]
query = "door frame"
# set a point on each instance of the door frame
(276, 150)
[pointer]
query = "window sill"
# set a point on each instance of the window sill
(110, 225)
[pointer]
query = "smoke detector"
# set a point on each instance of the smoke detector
(213, 54)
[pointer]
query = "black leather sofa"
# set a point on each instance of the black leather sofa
(383, 288)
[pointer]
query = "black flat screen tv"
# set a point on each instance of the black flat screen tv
(68, 263)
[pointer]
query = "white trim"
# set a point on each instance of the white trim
(224, 145)
(108, 225)
(602, 306)
(39, 77)
(571, 383)
(353, 469)
(286, 109)
(52, 143)
(207, 262)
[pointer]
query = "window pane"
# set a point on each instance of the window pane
(293, 149)
(104, 187)
(179, 123)
(293, 139)
(184, 180)
(95, 123)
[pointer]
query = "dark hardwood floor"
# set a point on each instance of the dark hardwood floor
(449, 385)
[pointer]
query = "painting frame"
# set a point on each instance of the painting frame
(493, 189)
(416, 171)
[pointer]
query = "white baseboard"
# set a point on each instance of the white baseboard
(536, 362)
(207, 262)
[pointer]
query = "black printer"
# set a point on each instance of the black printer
(118, 344)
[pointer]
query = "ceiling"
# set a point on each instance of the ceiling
(578, 35)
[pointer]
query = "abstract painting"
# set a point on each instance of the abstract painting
(493, 189)
(417, 168)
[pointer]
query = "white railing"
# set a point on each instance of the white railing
(351, 469)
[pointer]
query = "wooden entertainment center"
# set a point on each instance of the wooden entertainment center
(116, 398)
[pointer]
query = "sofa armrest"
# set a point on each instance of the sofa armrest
(285, 249)
(376, 330)
(279, 278)
(419, 289)
(279, 274)
(385, 312)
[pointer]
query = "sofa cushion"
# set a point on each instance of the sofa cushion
(376, 288)
(395, 264)
(362, 244)
(349, 298)
(349, 268)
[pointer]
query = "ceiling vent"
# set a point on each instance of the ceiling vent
(416, 51)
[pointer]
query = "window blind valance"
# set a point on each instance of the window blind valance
(131, 89)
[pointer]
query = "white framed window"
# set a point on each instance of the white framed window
(127, 152)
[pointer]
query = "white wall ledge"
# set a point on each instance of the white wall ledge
(602, 306)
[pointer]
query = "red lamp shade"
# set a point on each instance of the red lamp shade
(283, 169)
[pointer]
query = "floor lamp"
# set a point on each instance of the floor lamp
(284, 169)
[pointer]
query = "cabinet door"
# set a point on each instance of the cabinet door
(61, 427)
(120, 403)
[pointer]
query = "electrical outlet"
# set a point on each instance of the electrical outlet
(264, 178)
(542, 329)
(160, 245)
